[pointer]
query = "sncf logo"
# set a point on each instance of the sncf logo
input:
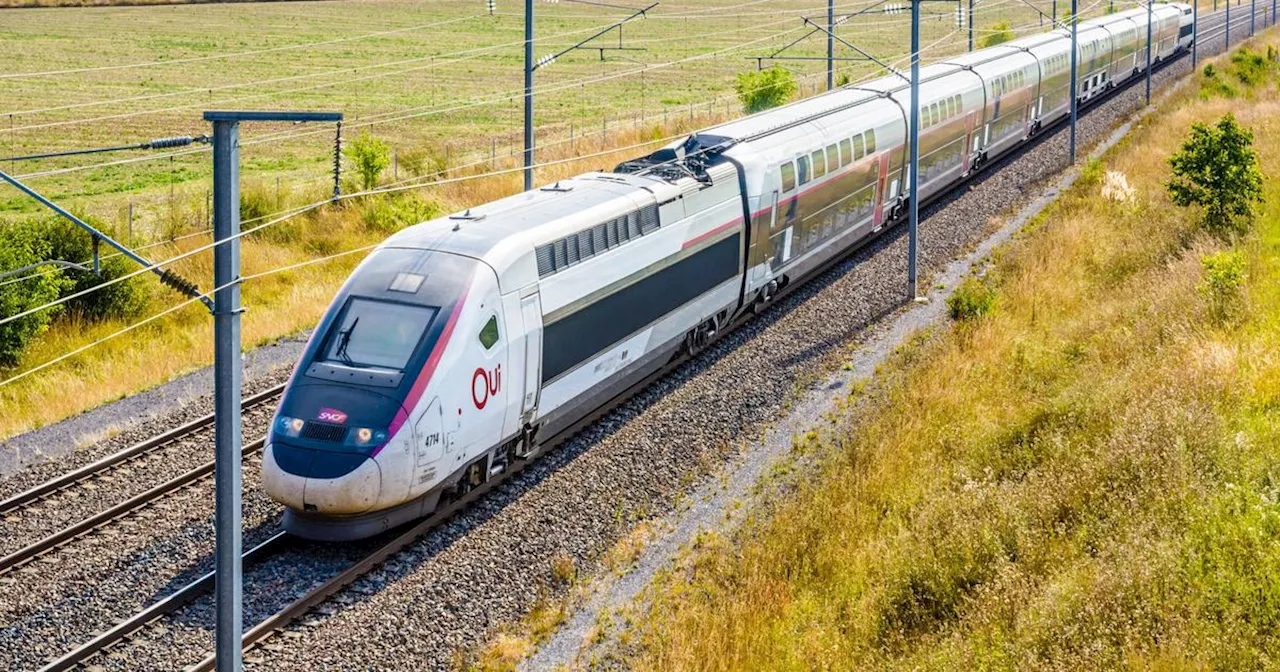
(485, 384)
(331, 415)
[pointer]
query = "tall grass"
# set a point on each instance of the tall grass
(1086, 478)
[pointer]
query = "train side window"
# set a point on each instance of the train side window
(871, 141)
(803, 165)
(858, 150)
(489, 333)
(788, 176)
(833, 159)
(951, 107)
(846, 152)
(819, 165)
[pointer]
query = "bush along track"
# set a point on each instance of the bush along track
(1080, 472)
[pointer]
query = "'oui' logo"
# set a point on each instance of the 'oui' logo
(485, 384)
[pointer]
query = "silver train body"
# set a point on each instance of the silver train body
(461, 344)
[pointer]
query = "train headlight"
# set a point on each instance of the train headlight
(366, 437)
(290, 427)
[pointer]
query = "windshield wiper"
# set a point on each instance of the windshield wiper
(344, 339)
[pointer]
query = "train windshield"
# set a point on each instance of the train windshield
(377, 334)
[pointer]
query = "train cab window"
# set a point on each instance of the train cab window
(802, 164)
(489, 333)
(833, 158)
(859, 150)
(870, 137)
(376, 334)
(788, 172)
(846, 152)
(819, 164)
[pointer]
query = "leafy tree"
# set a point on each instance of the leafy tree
(71, 243)
(371, 156)
(21, 246)
(761, 90)
(999, 34)
(1217, 169)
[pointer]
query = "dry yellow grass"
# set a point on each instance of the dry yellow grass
(1082, 479)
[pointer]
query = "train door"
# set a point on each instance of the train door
(881, 197)
(531, 316)
(969, 142)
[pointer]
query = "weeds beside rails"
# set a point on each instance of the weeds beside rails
(1082, 473)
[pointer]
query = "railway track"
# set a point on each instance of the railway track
(88, 474)
(315, 596)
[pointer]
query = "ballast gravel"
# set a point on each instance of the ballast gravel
(445, 594)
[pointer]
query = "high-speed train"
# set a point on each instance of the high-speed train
(461, 344)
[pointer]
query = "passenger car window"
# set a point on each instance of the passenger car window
(833, 159)
(858, 150)
(819, 165)
(803, 164)
(846, 153)
(871, 141)
(489, 333)
(788, 176)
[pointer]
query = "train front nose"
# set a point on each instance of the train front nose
(321, 481)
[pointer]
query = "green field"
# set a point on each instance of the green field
(439, 80)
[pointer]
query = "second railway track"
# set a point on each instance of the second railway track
(170, 461)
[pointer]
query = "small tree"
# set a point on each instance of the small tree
(1217, 169)
(761, 90)
(21, 246)
(1223, 284)
(999, 34)
(371, 156)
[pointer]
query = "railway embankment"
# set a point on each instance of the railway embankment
(1076, 471)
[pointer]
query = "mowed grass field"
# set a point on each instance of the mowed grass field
(440, 81)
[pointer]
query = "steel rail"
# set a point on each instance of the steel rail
(171, 603)
(159, 441)
(66, 534)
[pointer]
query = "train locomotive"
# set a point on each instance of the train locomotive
(461, 344)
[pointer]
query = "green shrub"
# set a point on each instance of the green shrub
(1217, 169)
(390, 214)
(971, 300)
(1250, 67)
(371, 156)
(21, 246)
(999, 34)
(69, 242)
(1223, 284)
(764, 89)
